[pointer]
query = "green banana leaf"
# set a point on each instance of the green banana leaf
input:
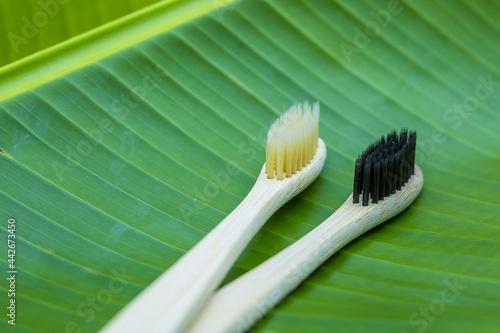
(29, 26)
(126, 143)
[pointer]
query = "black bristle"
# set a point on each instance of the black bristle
(399, 160)
(372, 172)
(413, 146)
(406, 167)
(366, 181)
(357, 180)
(383, 175)
(384, 167)
(389, 173)
(393, 174)
(375, 182)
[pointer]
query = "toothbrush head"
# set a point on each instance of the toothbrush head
(384, 167)
(292, 141)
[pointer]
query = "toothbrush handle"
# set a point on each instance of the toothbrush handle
(175, 297)
(237, 306)
(240, 304)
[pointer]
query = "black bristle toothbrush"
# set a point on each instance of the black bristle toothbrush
(387, 180)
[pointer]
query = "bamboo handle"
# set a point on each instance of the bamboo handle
(237, 306)
(172, 300)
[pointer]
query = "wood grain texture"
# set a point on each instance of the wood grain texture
(237, 306)
(172, 300)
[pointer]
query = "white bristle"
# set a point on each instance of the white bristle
(292, 140)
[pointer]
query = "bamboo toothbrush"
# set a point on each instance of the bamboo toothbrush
(380, 172)
(294, 158)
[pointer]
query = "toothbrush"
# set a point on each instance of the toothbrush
(386, 172)
(294, 158)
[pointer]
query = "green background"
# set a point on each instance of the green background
(114, 143)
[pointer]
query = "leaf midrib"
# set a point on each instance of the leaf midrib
(89, 47)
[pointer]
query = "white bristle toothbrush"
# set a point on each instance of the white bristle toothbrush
(294, 158)
(386, 172)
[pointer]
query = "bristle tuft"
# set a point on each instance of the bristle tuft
(292, 140)
(384, 167)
